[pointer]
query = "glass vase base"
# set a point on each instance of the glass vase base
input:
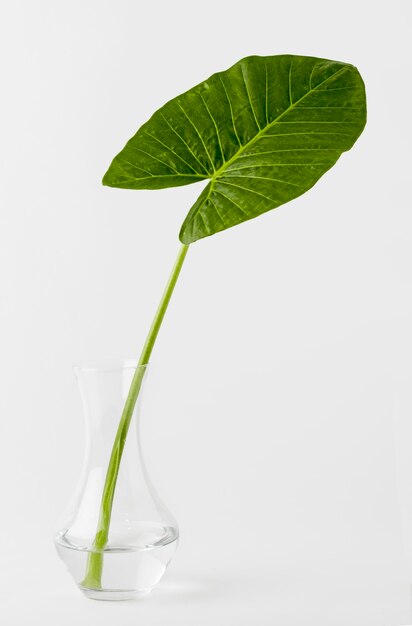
(113, 594)
(125, 572)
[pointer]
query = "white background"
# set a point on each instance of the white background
(269, 432)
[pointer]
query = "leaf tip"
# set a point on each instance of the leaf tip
(107, 179)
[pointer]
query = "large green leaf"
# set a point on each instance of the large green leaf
(263, 131)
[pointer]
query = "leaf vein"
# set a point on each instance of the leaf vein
(171, 150)
(252, 154)
(248, 167)
(198, 133)
(232, 201)
(157, 176)
(215, 125)
(199, 213)
(231, 111)
(215, 207)
(135, 166)
(250, 101)
(310, 77)
(316, 122)
(257, 193)
(276, 180)
(305, 132)
(170, 167)
(329, 107)
(186, 144)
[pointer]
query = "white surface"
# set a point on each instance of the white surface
(268, 429)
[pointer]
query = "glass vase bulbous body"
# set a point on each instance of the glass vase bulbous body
(143, 534)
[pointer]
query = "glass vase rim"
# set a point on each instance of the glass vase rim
(109, 364)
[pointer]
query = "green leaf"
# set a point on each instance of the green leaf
(263, 131)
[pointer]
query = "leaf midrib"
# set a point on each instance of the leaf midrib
(250, 143)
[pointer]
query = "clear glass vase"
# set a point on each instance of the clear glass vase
(143, 534)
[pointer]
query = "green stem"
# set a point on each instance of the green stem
(93, 577)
